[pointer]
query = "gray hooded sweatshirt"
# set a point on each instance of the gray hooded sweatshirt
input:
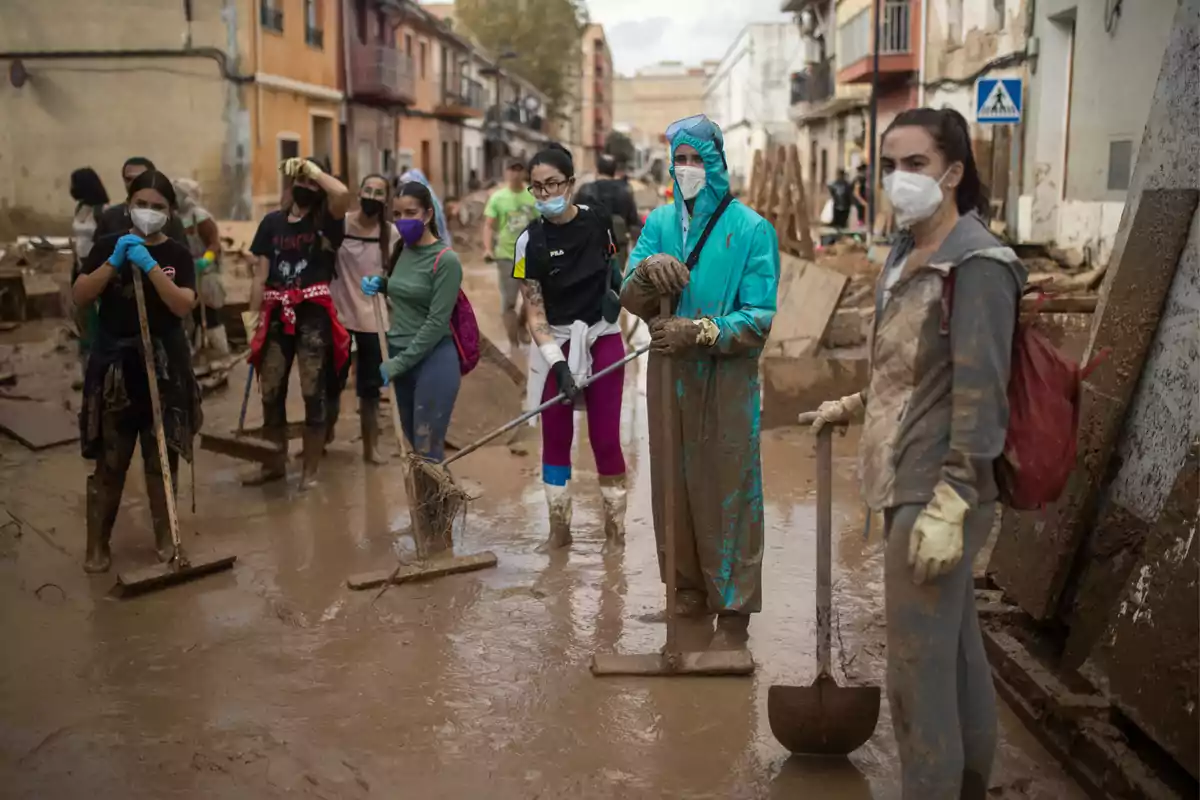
(937, 404)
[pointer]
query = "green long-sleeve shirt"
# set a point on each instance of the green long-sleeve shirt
(422, 299)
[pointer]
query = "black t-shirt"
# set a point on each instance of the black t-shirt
(118, 304)
(299, 256)
(842, 194)
(617, 199)
(572, 263)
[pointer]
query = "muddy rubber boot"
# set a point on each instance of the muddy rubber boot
(558, 502)
(99, 557)
(368, 414)
(314, 448)
(274, 470)
(733, 631)
(156, 493)
(690, 603)
(331, 419)
(614, 497)
(217, 342)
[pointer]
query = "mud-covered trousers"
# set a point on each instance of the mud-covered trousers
(119, 438)
(939, 684)
(425, 396)
(311, 348)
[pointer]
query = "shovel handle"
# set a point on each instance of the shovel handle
(667, 459)
(245, 400)
(824, 546)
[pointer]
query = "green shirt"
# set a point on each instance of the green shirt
(513, 211)
(422, 300)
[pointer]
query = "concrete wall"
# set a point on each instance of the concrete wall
(179, 112)
(1089, 87)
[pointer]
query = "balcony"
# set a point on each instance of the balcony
(813, 85)
(900, 24)
(462, 98)
(381, 74)
(314, 37)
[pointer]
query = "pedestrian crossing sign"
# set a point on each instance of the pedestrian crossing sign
(998, 101)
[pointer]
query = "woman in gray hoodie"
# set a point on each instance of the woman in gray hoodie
(936, 414)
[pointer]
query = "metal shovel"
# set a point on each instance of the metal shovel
(824, 718)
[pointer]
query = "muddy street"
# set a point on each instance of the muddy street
(274, 680)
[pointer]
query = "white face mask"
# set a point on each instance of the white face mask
(147, 220)
(691, 181)
(914, 196)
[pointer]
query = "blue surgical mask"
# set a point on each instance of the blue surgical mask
(552, 207)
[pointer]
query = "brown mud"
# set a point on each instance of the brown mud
(274, 680)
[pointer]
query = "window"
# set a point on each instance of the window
(996, 15)
(271, 15)
(854, 39)
(314, 34)
(408, 45)
(360, 20)
(422, 59)
(1120, 162)
(289, 147)
(322, 139)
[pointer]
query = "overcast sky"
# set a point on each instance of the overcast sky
(644, 32)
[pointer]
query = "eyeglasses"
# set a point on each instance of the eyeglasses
(548, 188)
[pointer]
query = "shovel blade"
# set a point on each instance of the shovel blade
(823, 719)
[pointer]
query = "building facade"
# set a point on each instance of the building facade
(646, 103)
(748, 94)
(593, 115)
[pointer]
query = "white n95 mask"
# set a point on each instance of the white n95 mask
(691, 181)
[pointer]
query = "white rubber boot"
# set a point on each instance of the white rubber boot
(614, 495)
(558, 502)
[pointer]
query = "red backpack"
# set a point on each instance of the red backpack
(463, 327)
(1043, 414)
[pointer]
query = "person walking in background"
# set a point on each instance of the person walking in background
(723, 310)
(204, 240)
(423, 365)
(292, 314)
(116, 220)
(564, 260)
(508, 211)
(842, 195)
(116, 413)
(368, 249)
(936, 414)
(614, 195)
(87, 190)
(439, 215)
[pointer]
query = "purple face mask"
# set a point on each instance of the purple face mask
(411, 230)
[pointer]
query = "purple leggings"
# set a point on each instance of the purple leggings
(603, 412)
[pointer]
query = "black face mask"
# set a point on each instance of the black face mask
(370, 206)
(305, 197)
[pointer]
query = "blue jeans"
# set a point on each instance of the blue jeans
(425, 396)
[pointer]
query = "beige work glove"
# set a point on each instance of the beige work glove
(834, 412)
(935, 545)
(300, 168)
(250, 322)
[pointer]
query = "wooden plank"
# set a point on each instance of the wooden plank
(1147, 653)
(423, 570)
(1033, 564)
(807, 299)
(802, 222)
(38, 425)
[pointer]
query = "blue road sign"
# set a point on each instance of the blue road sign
(998, 101)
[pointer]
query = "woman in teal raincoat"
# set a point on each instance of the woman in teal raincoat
(724, 306)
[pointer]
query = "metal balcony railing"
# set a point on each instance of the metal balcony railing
(813, 84)
(314, 37)
(381, 71)
(271, 16)
(464, 92)
(894, 34)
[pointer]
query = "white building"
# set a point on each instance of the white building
(749, 94)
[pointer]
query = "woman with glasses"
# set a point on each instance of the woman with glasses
(569, 282)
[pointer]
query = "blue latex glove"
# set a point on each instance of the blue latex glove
(141, 258)
(372, 285)
(117, 259)
(383, 370)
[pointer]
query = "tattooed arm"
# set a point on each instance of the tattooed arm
(535, 313)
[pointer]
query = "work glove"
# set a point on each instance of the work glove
(566, 381)
(121, 251)
(141, 258)
(834, 412)
(371, 285)
(667, 274)
(385, 373)
(250, 321)
(205, 261)
(300, 168)
(672, 335)
(935, 545)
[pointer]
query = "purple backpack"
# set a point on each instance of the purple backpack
(463, 327)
